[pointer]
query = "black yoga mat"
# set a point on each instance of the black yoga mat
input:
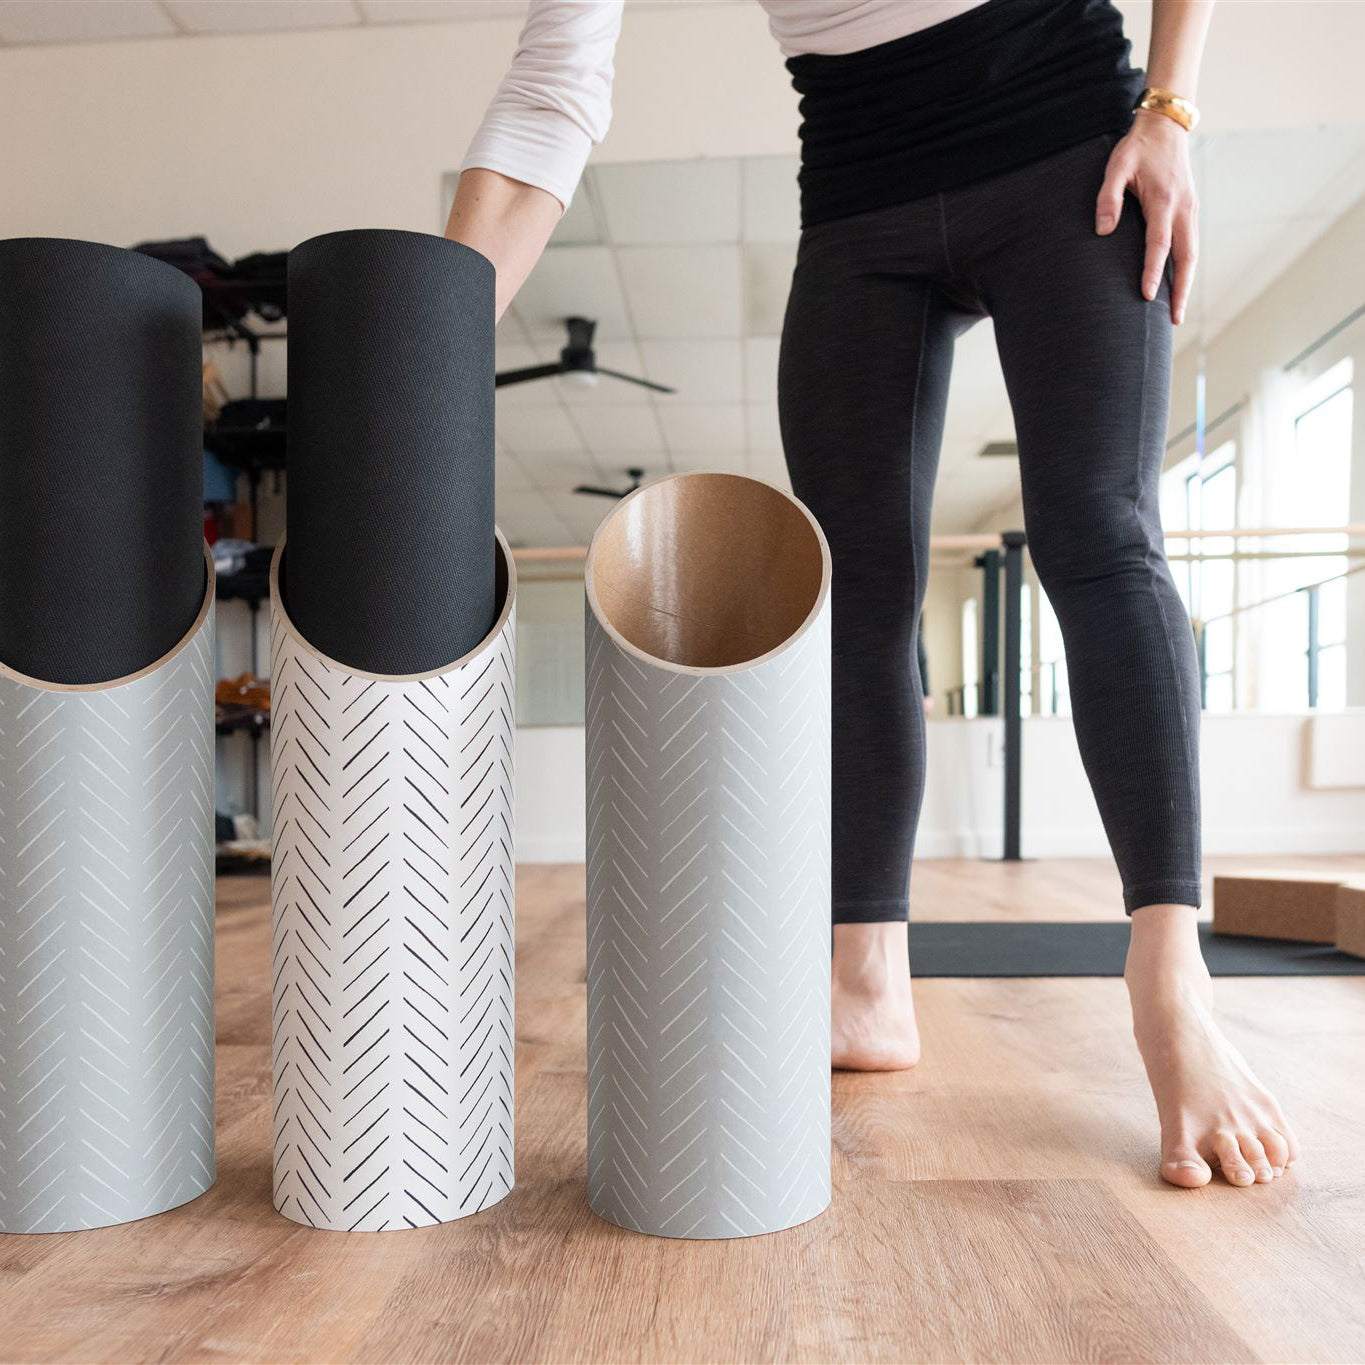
(1098, 949)
(101, 459)
(389, 563)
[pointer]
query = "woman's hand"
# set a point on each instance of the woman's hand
(1153, 160)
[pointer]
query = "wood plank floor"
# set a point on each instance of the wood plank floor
(998, 1203)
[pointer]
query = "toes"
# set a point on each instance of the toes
(1276, 1150)
(1182, 1165)
(1253, 1153)
(1229, 1153)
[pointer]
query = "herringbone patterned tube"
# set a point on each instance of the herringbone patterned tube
(708, 933)
(106, 943)
(392, 946)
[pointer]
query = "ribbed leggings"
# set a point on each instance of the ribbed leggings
(877, 301)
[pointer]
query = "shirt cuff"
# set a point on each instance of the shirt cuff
(539, 147)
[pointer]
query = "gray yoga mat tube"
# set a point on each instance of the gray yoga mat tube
(708, 918)
(101, 422)
(391, 562)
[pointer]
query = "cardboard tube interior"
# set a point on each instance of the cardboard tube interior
(707, 570)
(708, 909)
(106, 1000)
(101, 459)
(390, 510)
(392, 891)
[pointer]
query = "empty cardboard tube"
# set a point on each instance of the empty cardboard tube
(106, 999)
(392, 891)
(390, 510)
(708, 780)
(101, 470)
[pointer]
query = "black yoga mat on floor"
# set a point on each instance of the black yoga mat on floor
(389, 562)
(101, 459)
(1098, 949)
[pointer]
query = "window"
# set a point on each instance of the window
(1198, 495)
(1312, 488)
(1025, 650)
(971, 665)
(1054, 691)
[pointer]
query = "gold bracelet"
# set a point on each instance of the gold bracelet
(1174, 106)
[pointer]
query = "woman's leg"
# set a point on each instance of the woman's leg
(1087, 362)
(866, 354)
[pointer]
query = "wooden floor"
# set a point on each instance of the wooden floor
(998, 1203)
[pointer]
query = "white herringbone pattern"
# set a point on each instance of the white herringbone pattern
(106, 946)
(392, 939)
(708, 941)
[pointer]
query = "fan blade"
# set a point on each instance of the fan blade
(631, 379)
(531, 372)
(601, 492)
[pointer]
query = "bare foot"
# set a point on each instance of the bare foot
(871, 1010)
(1213, 1111)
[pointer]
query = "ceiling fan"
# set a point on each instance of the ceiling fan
(578, 361)
(636, 475)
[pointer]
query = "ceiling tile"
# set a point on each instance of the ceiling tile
(761, 429)
(509, 474)
(77, 21)
(624, 358)
(769, 466)
(760, 369)
(728, 462)
(768, 270)
(581, 222)
(700, 428)
(682, 292)
(615, 435)
(534, 393)
(666, 202)
(772, 201)
(702, 371)
(534, 431)
(438, 11)
(573, 281)
(232, 16)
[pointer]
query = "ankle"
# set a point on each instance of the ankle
(871, 959)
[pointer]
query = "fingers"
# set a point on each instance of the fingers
(1159, 229)
(1109, 205)
(1185, 253)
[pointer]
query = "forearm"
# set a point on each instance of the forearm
(1179, 28)
(505, 220)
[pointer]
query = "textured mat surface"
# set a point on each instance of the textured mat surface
(1083, 949)
(101, 463)
(390, 564)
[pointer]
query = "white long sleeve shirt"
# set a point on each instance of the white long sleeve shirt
(554, 104)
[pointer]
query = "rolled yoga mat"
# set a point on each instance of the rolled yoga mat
(390, 466)
(101, 434)
(106, 936)
(708, 780)
(392, 888)
(106, 741)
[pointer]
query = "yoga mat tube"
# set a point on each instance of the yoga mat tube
(708, 781)
(390, 510)
(392, 888)
(106, 941)
(101, 435)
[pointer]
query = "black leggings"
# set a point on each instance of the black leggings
(867, 347)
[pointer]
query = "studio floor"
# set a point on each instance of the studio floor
(998, 1203)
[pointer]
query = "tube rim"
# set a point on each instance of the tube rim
(210, 588)
(714, 670)
(286, 622)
